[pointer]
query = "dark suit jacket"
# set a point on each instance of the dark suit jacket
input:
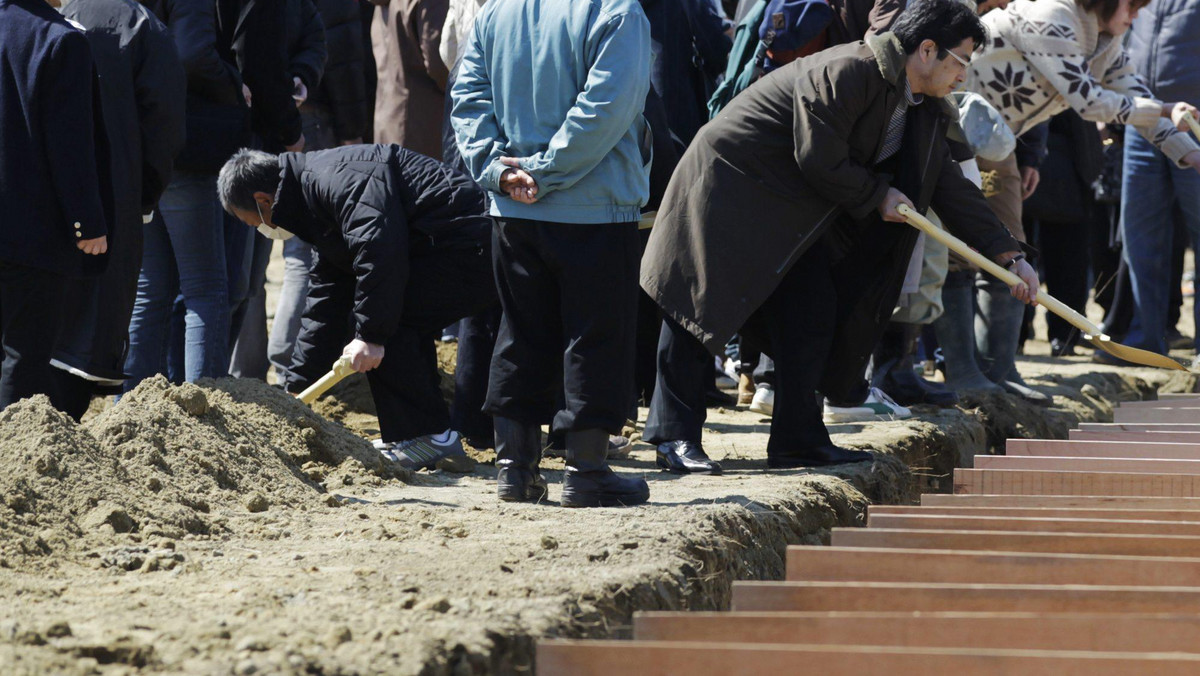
(51, 194)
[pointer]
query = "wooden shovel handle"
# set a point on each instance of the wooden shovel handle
(1193, 123)
(341, 368)
(960, 247)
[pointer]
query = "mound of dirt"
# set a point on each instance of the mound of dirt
(167, 460)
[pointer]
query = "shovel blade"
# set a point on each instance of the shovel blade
(1135, 355)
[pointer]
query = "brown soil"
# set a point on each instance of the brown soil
(275, 541)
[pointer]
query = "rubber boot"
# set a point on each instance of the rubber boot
(956, 335)
(518, 452)
(894, 372)
(997, 333)
(589, 482)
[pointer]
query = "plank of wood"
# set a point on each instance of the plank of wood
(1035, 482)
(1146, 465)
(1140, 427)
(672, 658)
(1029, 631)
(1041, 525)
(1045, 512)
(1017, 541)
(1100, 449)
(1190, 402)
(1173, 436)
(1178, 395)
(1189, 414)
(934, 596)
(867, 564)
(1060, 501)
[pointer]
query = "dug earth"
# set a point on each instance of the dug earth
(227, 528)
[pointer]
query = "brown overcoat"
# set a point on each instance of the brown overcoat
(410, 95)
(788, 159)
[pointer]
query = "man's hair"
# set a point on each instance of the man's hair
(247, 172)
(1106, 8)
(946, 22)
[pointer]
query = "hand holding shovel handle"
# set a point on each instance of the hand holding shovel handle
(341, 369)
(1193, 123)
(1089, 330)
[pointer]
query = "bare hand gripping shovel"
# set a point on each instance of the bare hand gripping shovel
(341, 369)
(1193, 123)
(1089, 330)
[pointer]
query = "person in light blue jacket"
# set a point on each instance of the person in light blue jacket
(547, 113)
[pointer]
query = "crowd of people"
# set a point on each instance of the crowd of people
(607, 202)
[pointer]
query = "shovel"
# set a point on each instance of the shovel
(1193, 123)
(1089, 330)
(341, 369)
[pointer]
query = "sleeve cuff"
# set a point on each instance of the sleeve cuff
(872, 203)
(490, 180)
(1146, 113)
(81, 230)
(1178, 145)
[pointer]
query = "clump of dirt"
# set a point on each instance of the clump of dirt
(167, 460)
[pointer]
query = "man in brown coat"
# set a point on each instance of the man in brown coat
(781, 221)
(411, 90)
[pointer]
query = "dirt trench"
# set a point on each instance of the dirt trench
(226, 528)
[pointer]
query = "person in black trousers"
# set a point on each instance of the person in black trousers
(401, 248)
(56, 202)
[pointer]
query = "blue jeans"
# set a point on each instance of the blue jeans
(184, 256)
(1152, 186)
(297, 259)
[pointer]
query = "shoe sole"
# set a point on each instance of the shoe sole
(570, 500)
(667, 467)
(517, 496)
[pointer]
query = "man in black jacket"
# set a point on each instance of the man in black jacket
(56, 207)
(402, 248)
(142, 88)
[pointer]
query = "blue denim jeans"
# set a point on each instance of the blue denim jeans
(184, 255)
(1152, 186)
(297, 259)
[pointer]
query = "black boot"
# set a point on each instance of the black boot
(589, 482)
(518, 452)
(894, 369)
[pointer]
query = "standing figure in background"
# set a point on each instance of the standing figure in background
(56, 206)
(142, 89)
(412, 76)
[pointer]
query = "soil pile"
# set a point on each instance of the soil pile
(167, 460)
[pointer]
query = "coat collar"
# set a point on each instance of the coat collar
(891, 58)
(290, 211)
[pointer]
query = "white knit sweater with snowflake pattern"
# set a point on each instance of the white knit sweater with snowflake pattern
(1045, 56)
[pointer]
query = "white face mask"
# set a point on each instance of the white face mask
(268, 231)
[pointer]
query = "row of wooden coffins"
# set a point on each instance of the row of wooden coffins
(1078, 556)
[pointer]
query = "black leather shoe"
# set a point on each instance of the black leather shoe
(821, 456)
(686, 457)
(1062, 348)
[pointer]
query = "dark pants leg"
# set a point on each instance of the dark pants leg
(476, 342)
(443, 287)
(677, 411)
(70, 394)
(798, 321)
(29, 319)
(569, 293)
(1065, 265)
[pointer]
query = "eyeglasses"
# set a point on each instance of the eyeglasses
(965, 63)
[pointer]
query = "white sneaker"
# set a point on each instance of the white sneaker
(764, 400)
(878, 406)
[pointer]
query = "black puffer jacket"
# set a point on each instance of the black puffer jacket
(367, 211)
(343, 90)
